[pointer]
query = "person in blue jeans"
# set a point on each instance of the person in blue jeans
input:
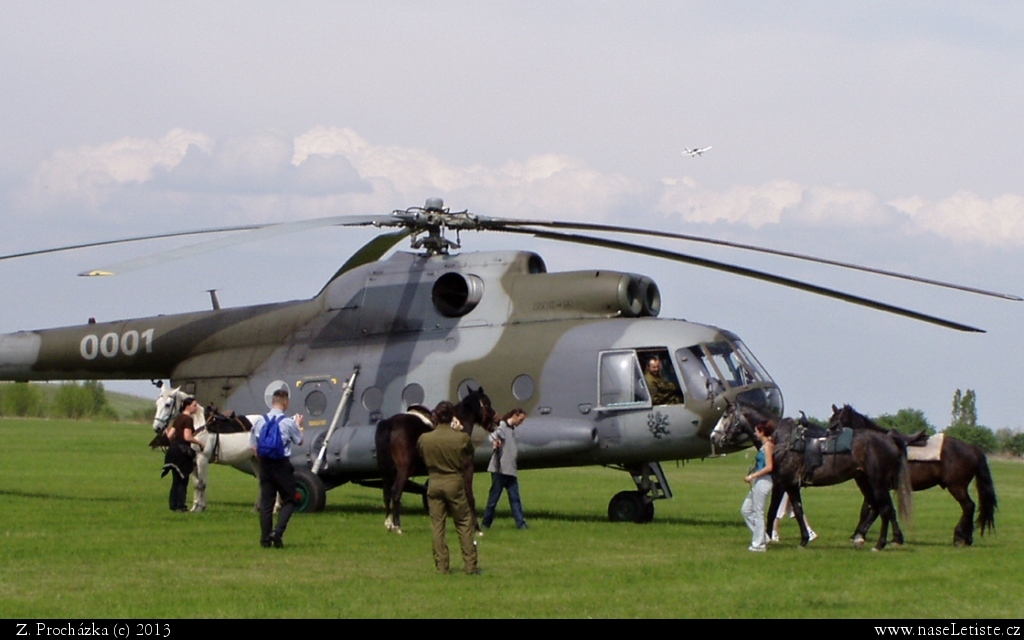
(503, 468)
(760, 481)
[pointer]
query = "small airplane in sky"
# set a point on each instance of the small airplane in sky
(696, 151)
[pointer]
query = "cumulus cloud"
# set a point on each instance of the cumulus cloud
(90, 173)
(329, 171)
(552, 185)
(260, 163)
(966, 217)
(962, 217)
(754, 206)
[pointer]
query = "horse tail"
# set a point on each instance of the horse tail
(382, 443)
(986, 495)
(904, 491)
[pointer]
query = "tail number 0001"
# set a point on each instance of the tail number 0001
(112, 344)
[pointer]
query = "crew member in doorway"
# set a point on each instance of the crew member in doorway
(663, 390)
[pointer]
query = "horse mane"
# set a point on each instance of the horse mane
(759, 415)
(861, 421)
(787, 430)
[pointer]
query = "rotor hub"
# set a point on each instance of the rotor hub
(432, 219)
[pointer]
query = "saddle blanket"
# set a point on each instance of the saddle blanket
(930, 452)
(424, 418)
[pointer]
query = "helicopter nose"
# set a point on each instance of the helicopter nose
(762, 395)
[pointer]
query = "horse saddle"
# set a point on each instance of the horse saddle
(816, 446)
(233, 423)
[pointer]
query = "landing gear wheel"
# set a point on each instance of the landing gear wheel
(629, 506)
(309, 491)
(648, 515)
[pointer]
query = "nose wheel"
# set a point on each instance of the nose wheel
(638, 506)
(630, 506)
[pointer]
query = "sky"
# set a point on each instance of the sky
(880, 133)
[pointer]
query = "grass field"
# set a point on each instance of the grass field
(85, 532)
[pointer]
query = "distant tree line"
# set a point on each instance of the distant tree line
(963, 425)
(86, 400)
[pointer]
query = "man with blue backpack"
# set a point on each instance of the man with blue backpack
(270, 437)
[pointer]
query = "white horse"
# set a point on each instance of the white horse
(220, 448)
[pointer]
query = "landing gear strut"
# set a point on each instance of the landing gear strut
(638, 506)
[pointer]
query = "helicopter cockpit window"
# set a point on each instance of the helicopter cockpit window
(700, 384)
(730, 365)
(621, 381)
(751, 361)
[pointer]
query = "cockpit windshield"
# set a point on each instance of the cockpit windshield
(734, 367)
(731, 365)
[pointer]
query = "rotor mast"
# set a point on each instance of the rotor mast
(432, 219)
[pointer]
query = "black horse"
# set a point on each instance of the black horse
(398, 459)
(873, 460)
(958, 464)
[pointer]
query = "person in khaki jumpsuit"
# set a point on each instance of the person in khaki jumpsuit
(663, 391)
(444, 451)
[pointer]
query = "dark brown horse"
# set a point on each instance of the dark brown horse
(399, 460)
(873, 460)
(958, 464)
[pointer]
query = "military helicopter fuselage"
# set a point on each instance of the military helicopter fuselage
(570, 348)
(384, 334)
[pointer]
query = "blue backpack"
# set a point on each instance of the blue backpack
(270, 444)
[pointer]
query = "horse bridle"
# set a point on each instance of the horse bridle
(171, 415)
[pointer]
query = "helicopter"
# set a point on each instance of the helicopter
(386, 333)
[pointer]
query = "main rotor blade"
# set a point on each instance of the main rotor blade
(498, 224)
(746, 272)
(252, 234)
(157, 236)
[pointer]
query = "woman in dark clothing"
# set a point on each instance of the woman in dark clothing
(180, 458)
